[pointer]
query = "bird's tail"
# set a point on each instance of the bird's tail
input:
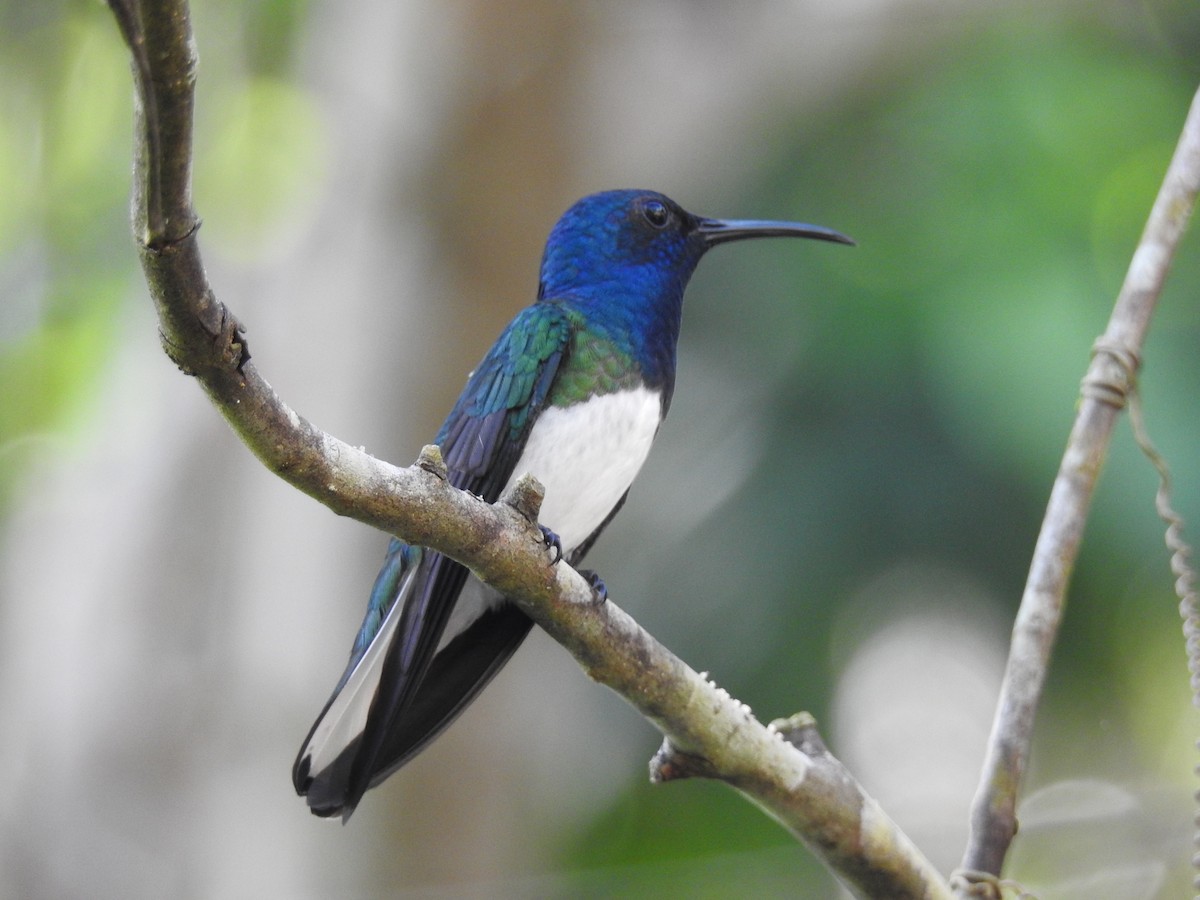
(399, 692)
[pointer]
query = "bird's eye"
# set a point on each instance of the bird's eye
(656, 213)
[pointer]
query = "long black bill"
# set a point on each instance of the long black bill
(720, 231)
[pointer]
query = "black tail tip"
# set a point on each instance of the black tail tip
(322, 807)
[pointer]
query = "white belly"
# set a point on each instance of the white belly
(586, 456)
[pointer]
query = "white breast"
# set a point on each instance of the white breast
(586, 456)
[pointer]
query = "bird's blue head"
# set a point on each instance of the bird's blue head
(642, 241)
(621, 243)
(624, 258)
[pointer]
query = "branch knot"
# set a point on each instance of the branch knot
(800, 730)
(431, 461)
(526, 496)
(1112, 377)
(671, 764)
(976, 885)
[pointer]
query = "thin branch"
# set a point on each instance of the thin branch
(808, 791)
(1109, 380)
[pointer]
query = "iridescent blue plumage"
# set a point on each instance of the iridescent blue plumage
(573, 390)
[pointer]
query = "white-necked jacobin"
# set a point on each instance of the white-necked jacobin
(573, 392)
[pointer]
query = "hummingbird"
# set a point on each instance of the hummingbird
(573, 391)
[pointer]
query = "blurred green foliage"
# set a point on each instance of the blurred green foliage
(264, 148)
(64, 264)
(917, 389)
(66, 257)
(923, 387)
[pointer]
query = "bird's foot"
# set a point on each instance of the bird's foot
(599, 588)
(552, 542)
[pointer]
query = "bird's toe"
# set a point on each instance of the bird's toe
(552, 542)
(599, 588)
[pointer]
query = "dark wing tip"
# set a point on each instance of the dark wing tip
(328, 792)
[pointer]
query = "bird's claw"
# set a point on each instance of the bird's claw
(552, 542)
(599, 588)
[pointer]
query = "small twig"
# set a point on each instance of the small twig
(1109, 380)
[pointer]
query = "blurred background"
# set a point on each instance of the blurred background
(837, 517)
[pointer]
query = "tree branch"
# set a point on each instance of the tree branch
(1110, 378)
(806, 789)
